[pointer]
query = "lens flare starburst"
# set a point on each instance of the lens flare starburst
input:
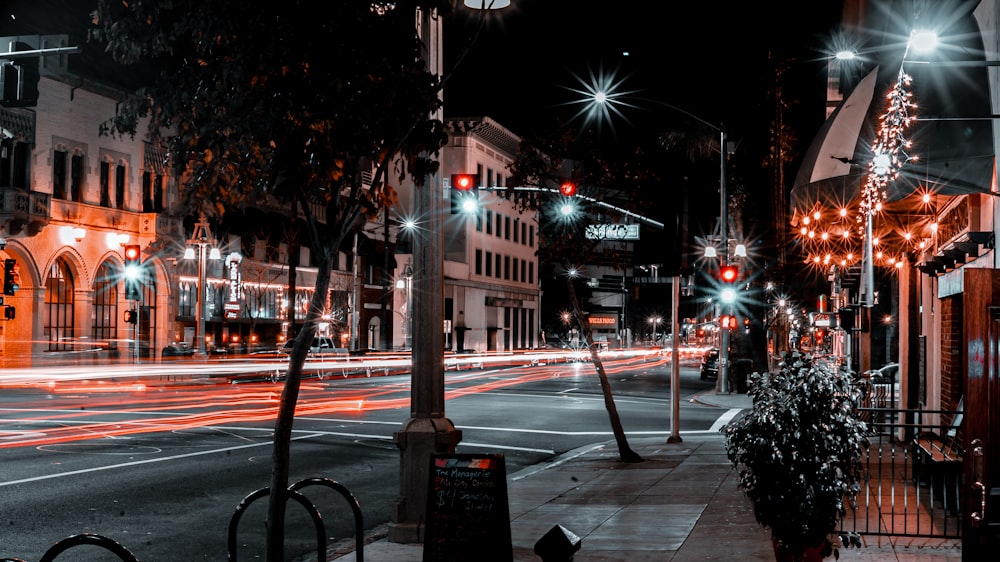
(601, 96)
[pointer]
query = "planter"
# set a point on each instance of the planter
(798, 450)
(808, 554)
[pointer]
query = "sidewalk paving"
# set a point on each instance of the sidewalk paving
(681, 503)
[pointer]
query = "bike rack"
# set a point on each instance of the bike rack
(359, 523)
(77, 540)
(294, 493)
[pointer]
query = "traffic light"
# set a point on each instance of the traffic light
(9, 312)
(19, 80)
(131, 317)
(729, 275)
(133, 273)
(10, 281)
(567, 188)
(464, 193)
(727, 322)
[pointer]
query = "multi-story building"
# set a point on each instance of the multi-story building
(491, 285)
(73, 198)
(933, 230)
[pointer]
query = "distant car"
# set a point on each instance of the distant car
(886, 375)
(710, 364)
(320, 346)
(177, 349)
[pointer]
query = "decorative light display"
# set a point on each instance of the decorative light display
(888, 149)
(828, 236)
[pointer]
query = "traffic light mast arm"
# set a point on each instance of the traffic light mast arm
(640, 218)
(14, 55)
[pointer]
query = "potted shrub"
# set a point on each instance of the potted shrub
(798, 451)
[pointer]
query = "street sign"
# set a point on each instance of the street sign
(613, 232)
(822, 319)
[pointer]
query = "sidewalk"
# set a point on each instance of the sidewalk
(680, 504)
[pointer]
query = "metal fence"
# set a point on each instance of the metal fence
(908, 491)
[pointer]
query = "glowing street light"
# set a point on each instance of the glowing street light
(201, 238)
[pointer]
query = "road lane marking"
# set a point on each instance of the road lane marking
(724, 419)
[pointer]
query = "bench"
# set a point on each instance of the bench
(938, 460)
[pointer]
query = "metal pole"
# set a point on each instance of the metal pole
(427, 431)
(724, 308)
(355, 308)
(675, 363)
(200, 304)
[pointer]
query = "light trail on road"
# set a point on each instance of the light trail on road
(128, 408)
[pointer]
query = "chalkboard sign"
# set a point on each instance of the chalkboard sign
(468, 517)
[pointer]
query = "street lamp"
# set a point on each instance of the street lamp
(608, 99)
(654, 323)
(406, 282)
(426, 431)
(202, 239)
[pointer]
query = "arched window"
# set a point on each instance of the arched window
(59, 301)
(104, 328)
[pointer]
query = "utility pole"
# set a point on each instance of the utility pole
(427, 431)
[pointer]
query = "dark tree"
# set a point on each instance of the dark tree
(289, 105)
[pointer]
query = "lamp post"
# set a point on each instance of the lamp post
(201, 238)
(426, 431)
(654, 323)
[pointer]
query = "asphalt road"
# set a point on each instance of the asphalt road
(162, 469)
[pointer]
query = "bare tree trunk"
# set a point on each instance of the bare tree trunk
(625, 453)
(281, 454)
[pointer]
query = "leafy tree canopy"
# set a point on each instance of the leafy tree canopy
(281, 101)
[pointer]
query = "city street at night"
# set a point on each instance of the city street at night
(161, 463)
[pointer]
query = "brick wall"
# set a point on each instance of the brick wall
(952, 374)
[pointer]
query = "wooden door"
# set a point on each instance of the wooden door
(981, 470)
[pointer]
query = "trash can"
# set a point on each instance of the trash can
(741, 373)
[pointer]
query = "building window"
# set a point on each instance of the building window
(59, 163)
(524, 269)
(159, 194)
(104, 328)
(531, 272)
(499, 229)
(14, 162)
(120, 186)
(489, 264)
(498, 263)
(147, 192)
(105, 184)
(489, 221)
(517, 223)
(147, 316)
(506, 267)
(76, 178)
(506, 228)
(524, 231)
(59, 319)
(479, 261)
(186, 302)
(531, 236)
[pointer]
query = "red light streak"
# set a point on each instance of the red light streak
(157, 405)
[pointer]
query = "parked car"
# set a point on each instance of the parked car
(177, 349)
(320, 346)
(884, 375)
(710, 364)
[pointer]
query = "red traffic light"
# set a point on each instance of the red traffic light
(131, 253)
(727, 322)
(729, 273)
(464, 182)
(567, 188)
